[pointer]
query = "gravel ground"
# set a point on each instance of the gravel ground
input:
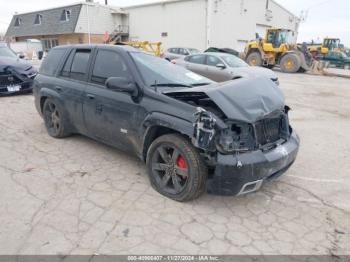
(77, 196)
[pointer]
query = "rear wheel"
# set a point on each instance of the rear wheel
(54, 119)
(175, 168)
(254, 59)
(290, 63)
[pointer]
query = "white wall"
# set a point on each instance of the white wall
(100, 17)
(203, 23)
(235, 22)
(185, 23)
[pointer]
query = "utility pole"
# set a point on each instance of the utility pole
(88, 22)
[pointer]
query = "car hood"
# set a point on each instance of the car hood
(244, 99)
(254, 71)
(17, 64)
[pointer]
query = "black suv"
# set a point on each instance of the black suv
(193, 134)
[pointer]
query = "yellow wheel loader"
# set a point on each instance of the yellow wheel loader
(275, 49)
(328, 44)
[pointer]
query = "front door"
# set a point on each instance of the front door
(109, 115)
(216, 73)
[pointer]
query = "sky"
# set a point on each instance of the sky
(325, 17)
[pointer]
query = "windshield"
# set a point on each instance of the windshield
(234, 61)
(193, 51)
(7, 52)
(159, 72)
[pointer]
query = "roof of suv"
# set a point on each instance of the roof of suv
(105, 46)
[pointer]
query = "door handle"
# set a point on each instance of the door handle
(90, 96)
(58, 88)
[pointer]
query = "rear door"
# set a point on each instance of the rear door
(197, 64)
(72, 84)
(109, 114)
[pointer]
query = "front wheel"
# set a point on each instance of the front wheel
(254, 59)
(290, 63)
(175, 168)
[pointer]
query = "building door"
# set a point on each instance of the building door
(261, 30)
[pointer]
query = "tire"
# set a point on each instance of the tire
(347, 66)
(175, 168)
(290, 63)
(301, 70)
(54, 118)
(269, 66)
(254, 59)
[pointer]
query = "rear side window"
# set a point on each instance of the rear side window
(174, 50)
(51, 62)
(196, 59)
(183, 51)
(213, 61)
(76, 65)
(80, 64)
(108, 64)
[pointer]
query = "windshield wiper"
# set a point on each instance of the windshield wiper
(201, 84)
(170, 85)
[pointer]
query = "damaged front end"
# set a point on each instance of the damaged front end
(244, 135)
(16, 80)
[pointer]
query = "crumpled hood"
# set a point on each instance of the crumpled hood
(254, 71)
(17, 64)
(244, 99)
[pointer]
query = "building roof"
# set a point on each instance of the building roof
(161, 2)
(51, 22)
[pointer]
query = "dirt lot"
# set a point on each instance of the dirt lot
(76, 196)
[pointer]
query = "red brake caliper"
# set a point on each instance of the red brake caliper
(181, 163)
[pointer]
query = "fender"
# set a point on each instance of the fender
(49, 93)
(46, 92)
(159, 120)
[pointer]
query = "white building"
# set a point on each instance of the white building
(187, 23)
(204, 23)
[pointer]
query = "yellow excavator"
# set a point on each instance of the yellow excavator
(276, 49)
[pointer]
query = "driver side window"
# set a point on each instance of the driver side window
(108, 64)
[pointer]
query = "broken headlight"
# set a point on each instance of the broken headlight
(239, 137)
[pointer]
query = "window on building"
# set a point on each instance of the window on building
(80, 64)
(108, 64)
(49, 43)
(38, 19)
(65, 16)
(18, 21)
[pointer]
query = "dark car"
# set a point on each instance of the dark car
(16, 75)
(337, 59)
(193, 134)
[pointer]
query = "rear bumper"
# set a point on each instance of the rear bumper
(245, 173)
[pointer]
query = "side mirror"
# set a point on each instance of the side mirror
(121, 84)
(221, 66)
(21, 56)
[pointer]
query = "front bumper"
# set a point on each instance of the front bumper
(25, 87)
(246, 172)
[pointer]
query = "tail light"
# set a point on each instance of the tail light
(173, 62)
